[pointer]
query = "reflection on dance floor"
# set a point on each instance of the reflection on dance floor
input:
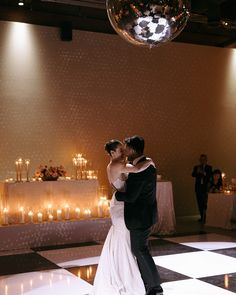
(191, 264)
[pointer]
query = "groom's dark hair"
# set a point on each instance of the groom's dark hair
(136, 143)
(111, 145)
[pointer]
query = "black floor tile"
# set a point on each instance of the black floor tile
(55, 247)
(86, 273)
(168, 275)
(226, 281)
(179, 234)
(20, 263)
(228, 252)
(163, 247)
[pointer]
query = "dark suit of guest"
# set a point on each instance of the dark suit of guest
(140, 213)
(202, 174)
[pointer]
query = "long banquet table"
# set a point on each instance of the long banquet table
(36, 196)
(165, 205)
(221, 211)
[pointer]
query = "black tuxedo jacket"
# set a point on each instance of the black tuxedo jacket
(140, 210)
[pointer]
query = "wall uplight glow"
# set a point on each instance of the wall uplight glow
(231, 74)
(20, 48)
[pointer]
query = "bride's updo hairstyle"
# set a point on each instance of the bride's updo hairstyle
(112, 145)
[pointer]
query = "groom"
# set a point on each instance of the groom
(141, 212)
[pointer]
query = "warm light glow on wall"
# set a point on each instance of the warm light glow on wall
(20, 48)
(230, 80)
(22, 61)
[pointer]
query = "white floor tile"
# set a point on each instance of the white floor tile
(193, 287)
(198, 264)
(53, 282)
(210, 245)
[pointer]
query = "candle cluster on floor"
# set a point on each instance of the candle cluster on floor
(55, 213)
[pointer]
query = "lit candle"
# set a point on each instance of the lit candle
(100, 208)
(106, 207)
(17, 171)
(40, 217)
(20, 168)
(22, 215)
(89, 174)
(67, 212)
(87, 213)
(27, 162)
(77, 213)
(49, 209)
(31, 216)
(59, 215)
(5, 216)
(50, 217)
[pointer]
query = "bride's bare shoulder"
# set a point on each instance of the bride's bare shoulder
(114, 165)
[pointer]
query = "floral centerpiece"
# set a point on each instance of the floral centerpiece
(50, 172)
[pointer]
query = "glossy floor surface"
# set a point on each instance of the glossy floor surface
(196, 260)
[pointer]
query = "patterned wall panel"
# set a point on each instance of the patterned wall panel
(58, 98)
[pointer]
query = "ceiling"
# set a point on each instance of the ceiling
(212, 22)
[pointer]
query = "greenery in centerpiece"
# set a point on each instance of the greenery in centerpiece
(49, 172)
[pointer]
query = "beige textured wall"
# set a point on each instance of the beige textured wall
(58, 98)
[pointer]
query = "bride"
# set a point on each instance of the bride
(118, 272)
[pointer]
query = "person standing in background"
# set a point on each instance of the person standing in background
(202, 174)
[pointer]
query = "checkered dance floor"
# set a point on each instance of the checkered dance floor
(188, 265)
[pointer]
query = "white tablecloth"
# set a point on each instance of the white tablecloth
(166, 213)
(221, 210)
(38, 195)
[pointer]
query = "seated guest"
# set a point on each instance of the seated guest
(216, 182)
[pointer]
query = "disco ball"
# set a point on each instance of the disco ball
(148, 22)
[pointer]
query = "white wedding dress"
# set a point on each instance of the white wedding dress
(117, 272)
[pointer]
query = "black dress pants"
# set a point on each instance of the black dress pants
(147, 267)
(202, 198)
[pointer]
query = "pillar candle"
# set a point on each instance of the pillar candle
(67, 212)
(87, 213)
(17, 171)
(77, 213)
(22, 215)
(50, 217)
(5, 216)
(49, 209)
(31, 216)
(27, 162)
(100, 208)
(59, 215)
(40, 217)
(20, 169)
(106, 208)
